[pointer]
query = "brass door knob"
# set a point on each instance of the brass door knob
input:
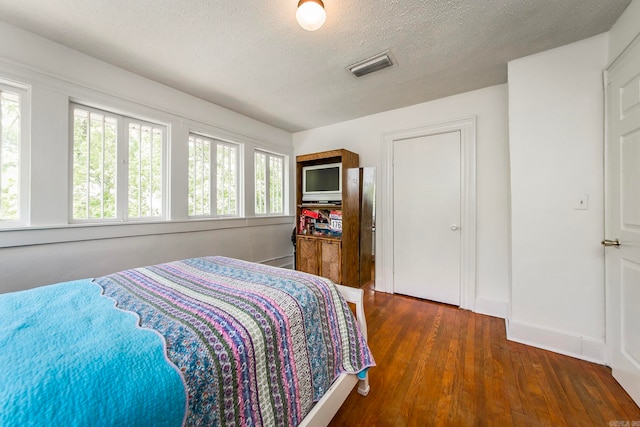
(607, 242)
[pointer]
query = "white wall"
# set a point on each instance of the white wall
(364, 136)
(556, 108)
(50, 250)
(23, 267)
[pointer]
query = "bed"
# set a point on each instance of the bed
(202, 341)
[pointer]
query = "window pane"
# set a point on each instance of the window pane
(94, 165)
(9, 156)
(110, 161)
(145, 170)
(80, 163)
(276, 184)
(135, 168)
(157, 135)
(227, 177)
(199, 176)
(261, 182)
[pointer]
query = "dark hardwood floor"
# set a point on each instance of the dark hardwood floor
(439, 365)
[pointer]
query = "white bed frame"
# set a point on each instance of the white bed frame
(324, 411)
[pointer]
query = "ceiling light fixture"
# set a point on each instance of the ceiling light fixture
(310, 14)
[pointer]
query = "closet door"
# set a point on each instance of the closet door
(426, 212)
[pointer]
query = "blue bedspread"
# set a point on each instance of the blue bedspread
(68, 357)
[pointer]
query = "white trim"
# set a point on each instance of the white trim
(492, 307)
(607, 200)
(585, 348)
(625, 51)
(467, 128)
(98, 231)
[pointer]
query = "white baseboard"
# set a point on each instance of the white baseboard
(492, 307)
(282, 262)
(585, 348)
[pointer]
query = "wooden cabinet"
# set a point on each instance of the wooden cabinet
(336, 257)
(331, 260)
(320, 256)
(307, 254)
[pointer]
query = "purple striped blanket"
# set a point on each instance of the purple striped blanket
(257, 345)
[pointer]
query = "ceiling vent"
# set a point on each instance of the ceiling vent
(370, 65)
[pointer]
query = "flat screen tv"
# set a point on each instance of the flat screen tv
(322, 183)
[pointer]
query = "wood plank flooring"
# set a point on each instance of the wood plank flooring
(439, 365)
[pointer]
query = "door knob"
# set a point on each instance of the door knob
(606, 242)
(454, 227)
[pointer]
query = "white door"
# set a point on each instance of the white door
(426, 217)
(623, 221)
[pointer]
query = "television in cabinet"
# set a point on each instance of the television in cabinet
(322, 183)
(328, 231)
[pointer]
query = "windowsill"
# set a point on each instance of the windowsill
(48, 234)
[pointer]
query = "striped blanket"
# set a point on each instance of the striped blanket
(257, 345)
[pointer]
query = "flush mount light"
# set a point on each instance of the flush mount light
(310, 14)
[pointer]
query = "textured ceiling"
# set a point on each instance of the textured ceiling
(251, 56)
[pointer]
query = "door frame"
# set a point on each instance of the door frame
(467, 128)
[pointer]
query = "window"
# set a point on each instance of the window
(269, 183)
(210, 157)
(227, 179)
(146, 145)
(118, 167)
(13, 156)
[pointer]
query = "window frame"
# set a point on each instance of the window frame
(123, 121)
(24, 165)
(214, 142)
(269, 155)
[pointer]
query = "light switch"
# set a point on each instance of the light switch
(582, 202)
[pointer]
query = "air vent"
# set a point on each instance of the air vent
(370, 65)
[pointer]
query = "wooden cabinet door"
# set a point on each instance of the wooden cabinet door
(307, 255)
(331, 260)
